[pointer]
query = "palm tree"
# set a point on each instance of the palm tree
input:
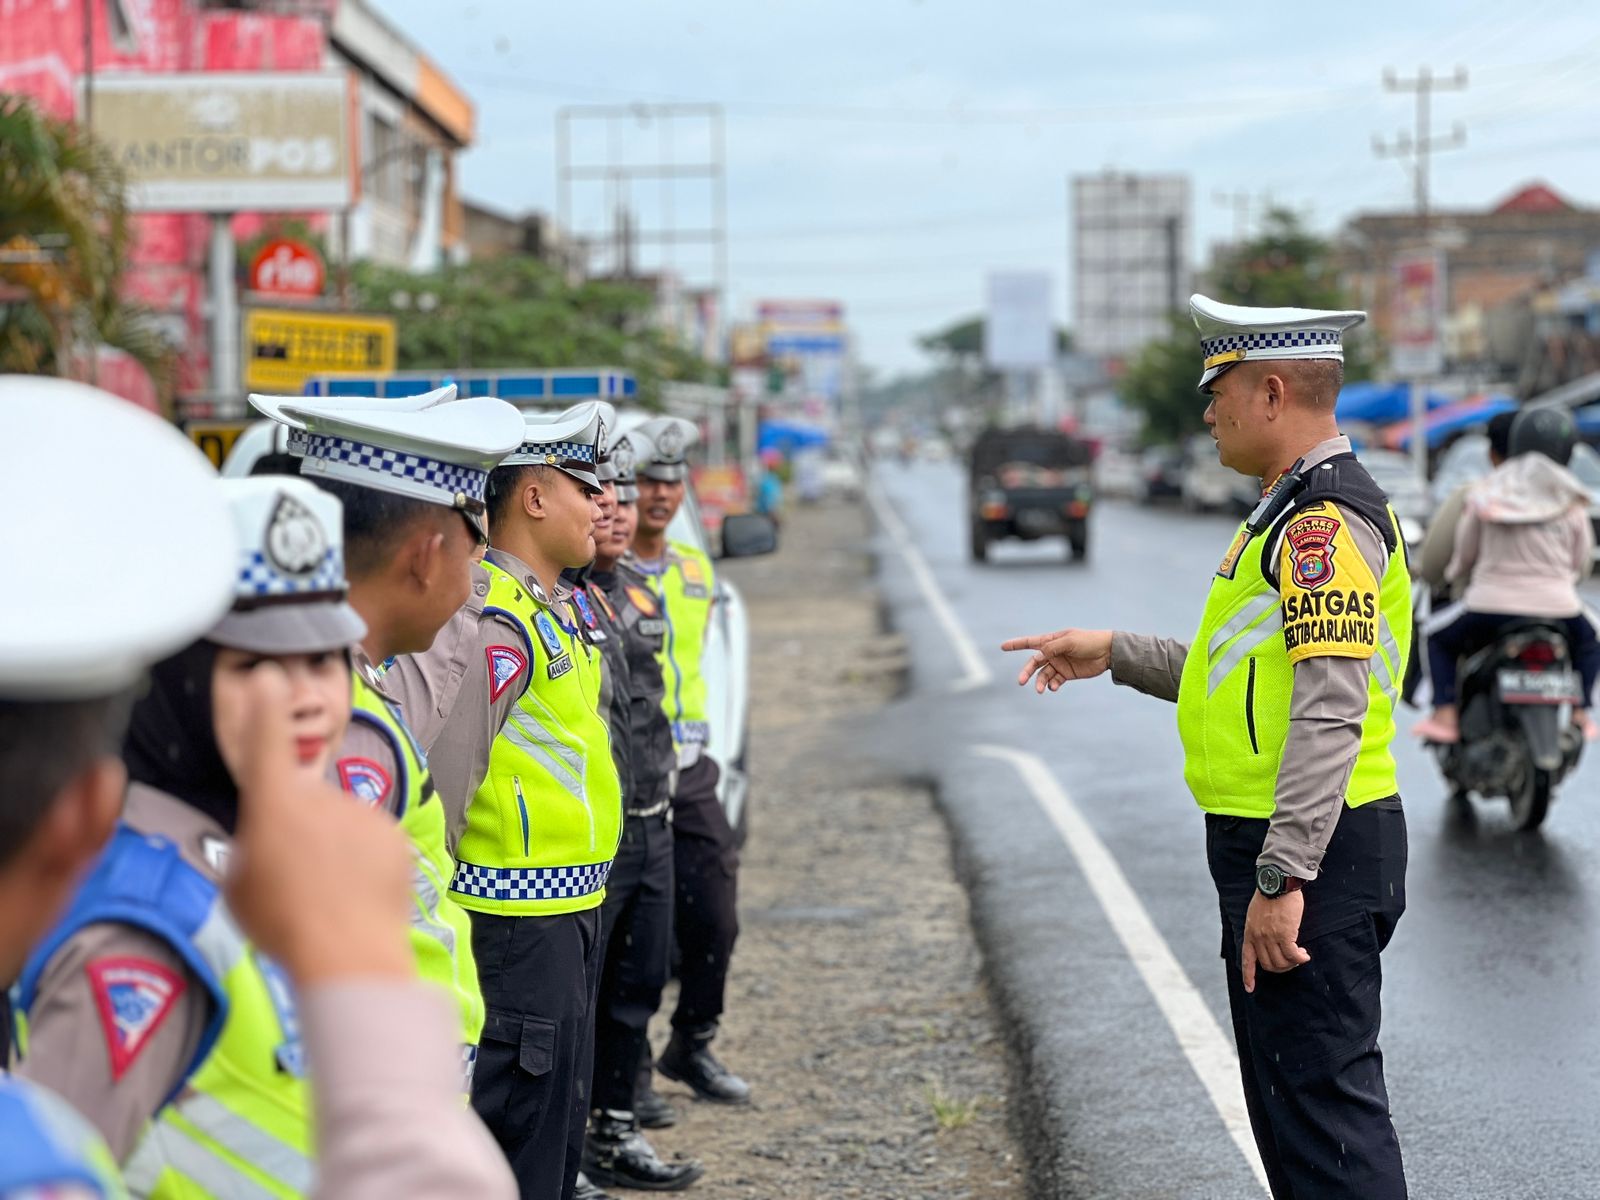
(64, 241)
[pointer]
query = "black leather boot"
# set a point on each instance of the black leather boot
(650, 1108)
(586, 1190)
(615, 1152)
(688, 1060)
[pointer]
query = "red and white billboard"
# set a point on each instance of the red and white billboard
(1417, 312)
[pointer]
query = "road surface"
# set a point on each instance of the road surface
(1086, 860)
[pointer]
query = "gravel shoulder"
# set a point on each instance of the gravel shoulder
(857, 1008)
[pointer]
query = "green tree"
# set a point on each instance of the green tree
(1284, 266)
(65, 238)
(962, 375)
(518, 312)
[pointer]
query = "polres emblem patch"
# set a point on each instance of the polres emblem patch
(1311, 549)
(133, 995)
(365, 780)
(505, 664)
(642, 600)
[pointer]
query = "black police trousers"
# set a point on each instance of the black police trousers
(705, 917)
(636, 940)
(1308, 1038)
(531, 1084)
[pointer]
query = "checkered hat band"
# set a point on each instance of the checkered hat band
(1288, 339)
(529, 883)
(259, 578)
(568, 451)
(448, 478)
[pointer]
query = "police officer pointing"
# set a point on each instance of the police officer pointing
(1285, 704)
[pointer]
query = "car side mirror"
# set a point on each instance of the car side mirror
(745, 535)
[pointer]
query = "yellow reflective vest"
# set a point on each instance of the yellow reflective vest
(1238, 678)
(441, 931)
(685, 586)
(542, 828)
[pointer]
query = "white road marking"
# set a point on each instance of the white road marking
(977, 673)
(1209, 1052)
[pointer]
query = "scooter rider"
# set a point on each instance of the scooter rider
(1523, 544)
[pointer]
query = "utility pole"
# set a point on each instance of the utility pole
(1422, 145)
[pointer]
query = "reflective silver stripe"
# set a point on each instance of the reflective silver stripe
(1271, 626)
(1390, 678)
(425, 919)
(165, 1146)
(1247, 616)
(219, 941)
(555, 756)
(247, 1140)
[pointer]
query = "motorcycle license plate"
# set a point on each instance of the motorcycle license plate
(1538, 687)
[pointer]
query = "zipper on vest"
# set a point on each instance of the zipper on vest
(522, 810)
(1250, 707)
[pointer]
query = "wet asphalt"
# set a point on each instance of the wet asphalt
(1491, 985)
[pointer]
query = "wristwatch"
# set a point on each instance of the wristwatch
(1273, 881)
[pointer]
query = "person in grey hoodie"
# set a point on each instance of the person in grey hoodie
(1522, 546)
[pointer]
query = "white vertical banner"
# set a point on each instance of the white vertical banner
(1018, 334)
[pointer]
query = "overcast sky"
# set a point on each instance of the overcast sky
(888, 153)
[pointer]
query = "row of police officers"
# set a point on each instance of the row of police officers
(487, 635)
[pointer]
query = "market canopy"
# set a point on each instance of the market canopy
(1450, 419)
(1379, 403)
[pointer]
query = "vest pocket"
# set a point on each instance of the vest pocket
(1250, 707)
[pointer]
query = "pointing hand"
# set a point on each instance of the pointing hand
(1062, 656)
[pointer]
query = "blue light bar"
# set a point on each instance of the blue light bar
(565, 385)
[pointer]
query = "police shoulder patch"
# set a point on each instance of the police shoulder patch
(365, 780)
(133, 996)
(642, 600)
(1330, 595)
(1309, 540)
(505, 664)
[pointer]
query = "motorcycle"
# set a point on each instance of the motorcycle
(1517, 738)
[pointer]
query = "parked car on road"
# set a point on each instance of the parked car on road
(1162, 467)
(1207, 486)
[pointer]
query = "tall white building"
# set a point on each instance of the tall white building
(1131, 238)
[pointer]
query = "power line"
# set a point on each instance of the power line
(1421, 146)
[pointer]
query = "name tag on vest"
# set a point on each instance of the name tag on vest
(652, 627)
(559, 667)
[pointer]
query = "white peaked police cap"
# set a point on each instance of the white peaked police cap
(626, 452)
(1233, 333)
(289, 589)
(110, 570)
(670, 439)
(430, 447)
(570, 441)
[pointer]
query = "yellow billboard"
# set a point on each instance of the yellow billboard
(284, 348)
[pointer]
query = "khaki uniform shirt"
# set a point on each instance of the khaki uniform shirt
(1326, 711)
(70, 1030)
(453, 698)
